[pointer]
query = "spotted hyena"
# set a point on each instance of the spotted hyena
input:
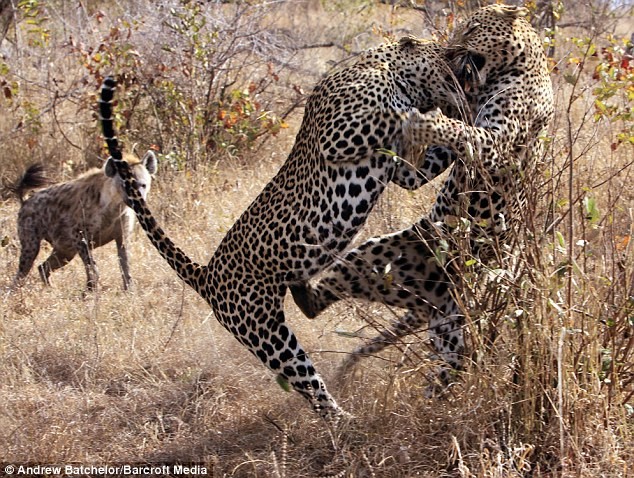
(76, 216)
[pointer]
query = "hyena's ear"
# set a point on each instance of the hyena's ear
(150, 162)
(109, 168)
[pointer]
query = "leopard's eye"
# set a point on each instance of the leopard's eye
(471, 27)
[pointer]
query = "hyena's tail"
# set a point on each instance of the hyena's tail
(189, 271)
(34, 177)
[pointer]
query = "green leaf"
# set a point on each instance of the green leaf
(560, 239)
(387, 152)
(388, 278)
(282, 382)
(592, 211)
(601, 106)
(556, 306)
(348, 334)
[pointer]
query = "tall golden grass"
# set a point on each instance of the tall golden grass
(149, 376)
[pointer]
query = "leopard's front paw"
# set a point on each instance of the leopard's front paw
(434, 122)
(432, 115)
(424, 128)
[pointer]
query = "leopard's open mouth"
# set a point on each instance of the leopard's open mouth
(467, 67)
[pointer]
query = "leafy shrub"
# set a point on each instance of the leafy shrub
(199, 80)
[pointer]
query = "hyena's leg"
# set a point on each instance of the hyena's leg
(55, 261)
(30, 250)
(91, 268)
(122, 252)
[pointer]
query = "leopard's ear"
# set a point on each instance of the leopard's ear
(409, 40)
(510, 11)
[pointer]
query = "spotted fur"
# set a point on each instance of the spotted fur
(77, 216)
(500, 61)
(342, 159)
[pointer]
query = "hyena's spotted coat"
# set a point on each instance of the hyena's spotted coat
(76, 216)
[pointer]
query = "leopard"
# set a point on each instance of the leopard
(349, 147)
(499, 61)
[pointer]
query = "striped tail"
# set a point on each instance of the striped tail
(189, 271)
(105, 117)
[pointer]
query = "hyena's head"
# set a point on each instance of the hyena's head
(142, 170)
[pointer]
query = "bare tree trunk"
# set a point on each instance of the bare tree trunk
(6, 18)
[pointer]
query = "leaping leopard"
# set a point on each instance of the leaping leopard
(341, 162)
(499, 59)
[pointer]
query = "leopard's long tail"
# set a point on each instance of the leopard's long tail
(106, 118)
(189, 271)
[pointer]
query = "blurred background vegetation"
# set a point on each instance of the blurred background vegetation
(219, 88)
(207, 81)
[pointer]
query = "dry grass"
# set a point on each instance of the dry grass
(149, 376)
